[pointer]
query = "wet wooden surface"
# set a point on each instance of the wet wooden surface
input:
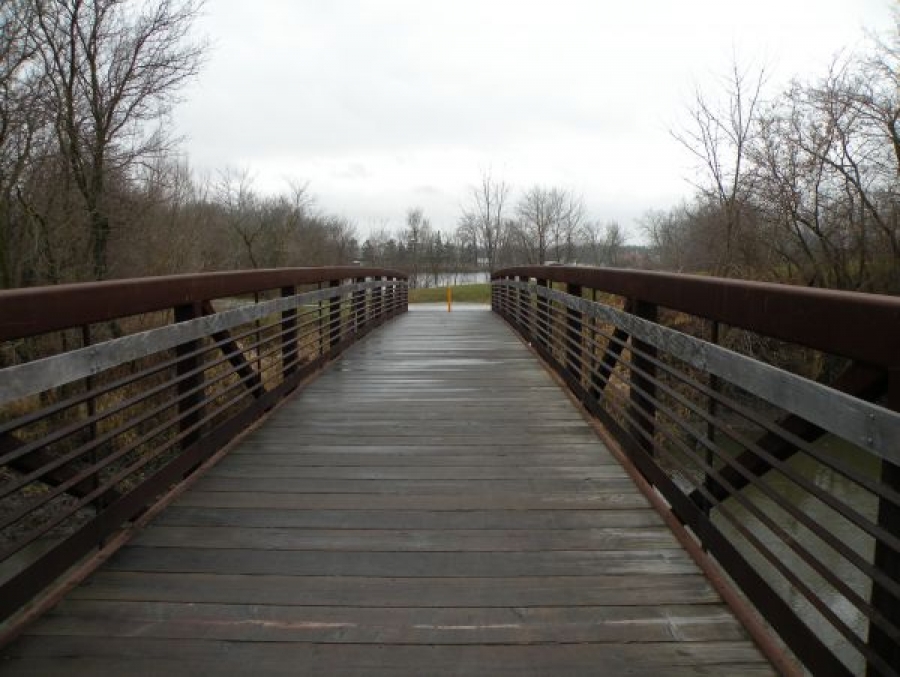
(433, 504)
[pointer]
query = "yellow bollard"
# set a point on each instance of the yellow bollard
(449, 298)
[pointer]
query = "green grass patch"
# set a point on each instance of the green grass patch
(464, 293)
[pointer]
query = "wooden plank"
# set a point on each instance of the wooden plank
(367, 458)
(406, 427)
(180, 515)
(512, 437)
(472, 501)
(275, 454)
(171, 657)
(397, 592)
(536, 486)
(379, 625)
(500, 446)
(405, 540)
(418, 473)
(404, 564)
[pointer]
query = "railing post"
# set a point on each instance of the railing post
(185, 365)
(334, 317)
(525, 306)
(542, 333)
(256, 338)
(712, 404)
(643, 411)
(288, 337)
(574, 341)
(320, 322)
(358, 303)
(91, 405)
(386, 298)
(887, 560)
(712, 408)
(375, 303)
(392, 297)
(521, 305)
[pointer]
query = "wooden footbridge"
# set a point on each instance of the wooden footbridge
(286, 473)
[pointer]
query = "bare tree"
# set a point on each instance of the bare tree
(828, 172)
(485, 216)
(239, 202)
(467, 240)
(720, 136)
(114, 68)
(536, 213)
(418, 230)
(548, 218)
(613, 242)
(671, 237)
(168, 231)
(567, 224)
(20, 122)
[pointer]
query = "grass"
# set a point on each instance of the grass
(465, 293)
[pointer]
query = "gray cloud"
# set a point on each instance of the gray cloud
(373, 101)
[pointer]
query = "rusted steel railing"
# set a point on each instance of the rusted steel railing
(709, 386)
(113, 392)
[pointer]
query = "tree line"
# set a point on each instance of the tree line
(486, 239)
(543, 225)
(93, 185)
(802, 186)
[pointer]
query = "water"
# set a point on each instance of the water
(424, 280)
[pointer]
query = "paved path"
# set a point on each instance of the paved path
(433, 504)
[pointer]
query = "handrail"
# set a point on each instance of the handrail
(745, 452)
(35, 310)
(101, 414)
(863, 327)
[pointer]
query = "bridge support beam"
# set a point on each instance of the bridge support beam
(523, 304)
(542, 324)
(359, 307)
(642, 379)
(189, 388)
(574, 341)
(334, 317)
(289, 337)
(375, 307)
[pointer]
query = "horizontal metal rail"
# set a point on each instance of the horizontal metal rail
(93, 432)
(791, 484)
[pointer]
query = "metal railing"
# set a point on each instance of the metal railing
(792, 485)
(112, 392)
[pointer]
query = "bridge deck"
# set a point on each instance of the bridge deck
(433, 504)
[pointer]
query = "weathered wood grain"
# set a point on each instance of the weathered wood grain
(416, 625)
(179, 515)
(570, 564)
(151, 657)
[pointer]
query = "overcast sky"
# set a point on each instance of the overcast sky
(384, 105)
